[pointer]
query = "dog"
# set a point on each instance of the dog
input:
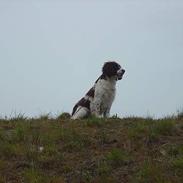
(98, 100)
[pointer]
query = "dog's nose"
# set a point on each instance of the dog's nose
(123, 71)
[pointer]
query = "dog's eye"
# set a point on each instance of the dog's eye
(118, 66)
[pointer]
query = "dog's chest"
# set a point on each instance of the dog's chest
(106, 91)
(107, 98)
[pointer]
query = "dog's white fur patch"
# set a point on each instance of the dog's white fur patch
(105, 91)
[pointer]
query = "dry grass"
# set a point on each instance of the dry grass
(135, 150)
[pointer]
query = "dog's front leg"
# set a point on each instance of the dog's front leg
(95, 108)
(107, 113)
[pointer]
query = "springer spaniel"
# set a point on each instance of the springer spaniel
(99, 98)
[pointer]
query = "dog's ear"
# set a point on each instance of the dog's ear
(110, 68)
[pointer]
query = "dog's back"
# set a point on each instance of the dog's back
(82, 108)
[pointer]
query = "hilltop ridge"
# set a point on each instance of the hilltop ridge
(136, 150)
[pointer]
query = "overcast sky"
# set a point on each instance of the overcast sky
(51, 53)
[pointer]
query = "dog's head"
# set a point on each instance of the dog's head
(113, 69)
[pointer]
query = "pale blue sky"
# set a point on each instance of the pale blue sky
(51, 52)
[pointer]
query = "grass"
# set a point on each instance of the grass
(118, 157)
(151, 171)
(180, 114)
(134, 150)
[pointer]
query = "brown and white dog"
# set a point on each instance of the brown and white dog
(99, 98)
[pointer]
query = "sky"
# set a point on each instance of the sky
(52, 51)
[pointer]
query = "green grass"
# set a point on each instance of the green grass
(151, 130)
(151, 171)
(118, 157)
(95, 122)
(136, 150)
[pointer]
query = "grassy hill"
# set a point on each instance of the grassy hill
(135, 150)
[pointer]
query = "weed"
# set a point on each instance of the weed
(19, 133)
(151, 130)
(2, 135)
(86, 176)
(115, 116)
(57, 179)
(175, 150)
(136, 130)
(103, 168)
(64, 116)
(118, 157)
(163, 127)
(18, 118)
(94, 121)
(178, 164)
(34, 176)
(2, 179)
(102, 137)
(106, 179)
(180, 114)
(2, 165)
(35, 137)
(50, 157)
(74, 141)
(7, 150)
(44, 117)
(150, 172)
(176, 168)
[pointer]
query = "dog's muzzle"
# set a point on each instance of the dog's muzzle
(120, 74)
